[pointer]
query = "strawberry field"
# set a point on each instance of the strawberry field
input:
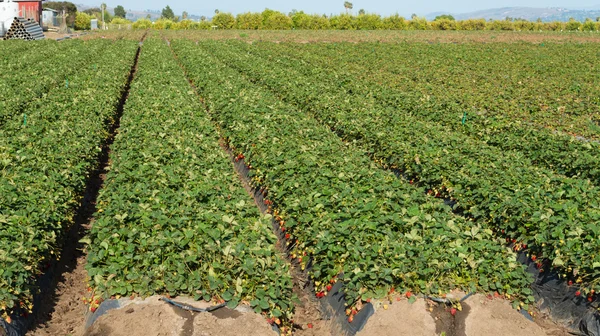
(241, 170)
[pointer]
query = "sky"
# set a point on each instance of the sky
(383, 7)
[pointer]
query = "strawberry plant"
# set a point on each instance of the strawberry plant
(44, 167)
(346, 218)
(173, 217)
(502, 190)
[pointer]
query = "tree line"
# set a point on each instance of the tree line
(274, 20)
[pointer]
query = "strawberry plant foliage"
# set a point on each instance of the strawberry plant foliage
(44, 166)
(173, 217)
(344, 215)
(501, 190)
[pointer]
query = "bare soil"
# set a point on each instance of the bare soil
(333, 36)
(155, 317)
(401, 318)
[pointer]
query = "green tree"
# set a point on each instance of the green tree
(223, 21)
(248, 21)
(348, 5)
(184, 15)
(142, 24)
(83, 21)
(120, 12)
(444, 17)
(573, 25)
(217, 11)
(361, 12)
(274, 20)
(167, 13)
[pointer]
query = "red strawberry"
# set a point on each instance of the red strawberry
(350, 319)
(287, 236)
(533, 258)
(570, 283)
(453, 311)
(577, 293)
(310, 325)
(93, 309)
(408, 294)
(590, 299)
(329, 288)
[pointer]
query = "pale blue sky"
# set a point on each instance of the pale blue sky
(383, 7)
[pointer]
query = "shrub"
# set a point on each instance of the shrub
(471, 24)
(248, 20)
(418, 23)
(142, 24)
(276, 21)
(369, 22)
(224, 21)
(573, 25)
(83, 21)
(395, 22)
(443, 24)
(343, 22)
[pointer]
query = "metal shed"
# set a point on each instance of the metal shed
(50, 17)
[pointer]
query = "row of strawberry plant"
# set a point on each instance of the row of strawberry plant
(19, 88)
(561, 153)
(19, 54)
(501, 80)
(344, 218)
(173, 217)
(532, 205)
(44, 166)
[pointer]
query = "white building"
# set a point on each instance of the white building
(8, 11)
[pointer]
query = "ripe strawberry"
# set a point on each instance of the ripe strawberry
(287, 236)
(310, 325)
(93, 309)
(320, 295)
(329, 288)
(590, 299)
(570, 283)
(350, 319)
(577, 293)
(533, 258)
(453, 311)
(408, 294)
(369, 300)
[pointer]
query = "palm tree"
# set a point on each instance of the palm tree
(348, 6)
(217, 11)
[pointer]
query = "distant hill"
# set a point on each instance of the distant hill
(527, 13)
(133, 15)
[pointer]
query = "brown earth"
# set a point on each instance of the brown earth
(155, 317)
(401, 318)
(305, 36)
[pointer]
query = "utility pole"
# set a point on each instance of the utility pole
(103, 24)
